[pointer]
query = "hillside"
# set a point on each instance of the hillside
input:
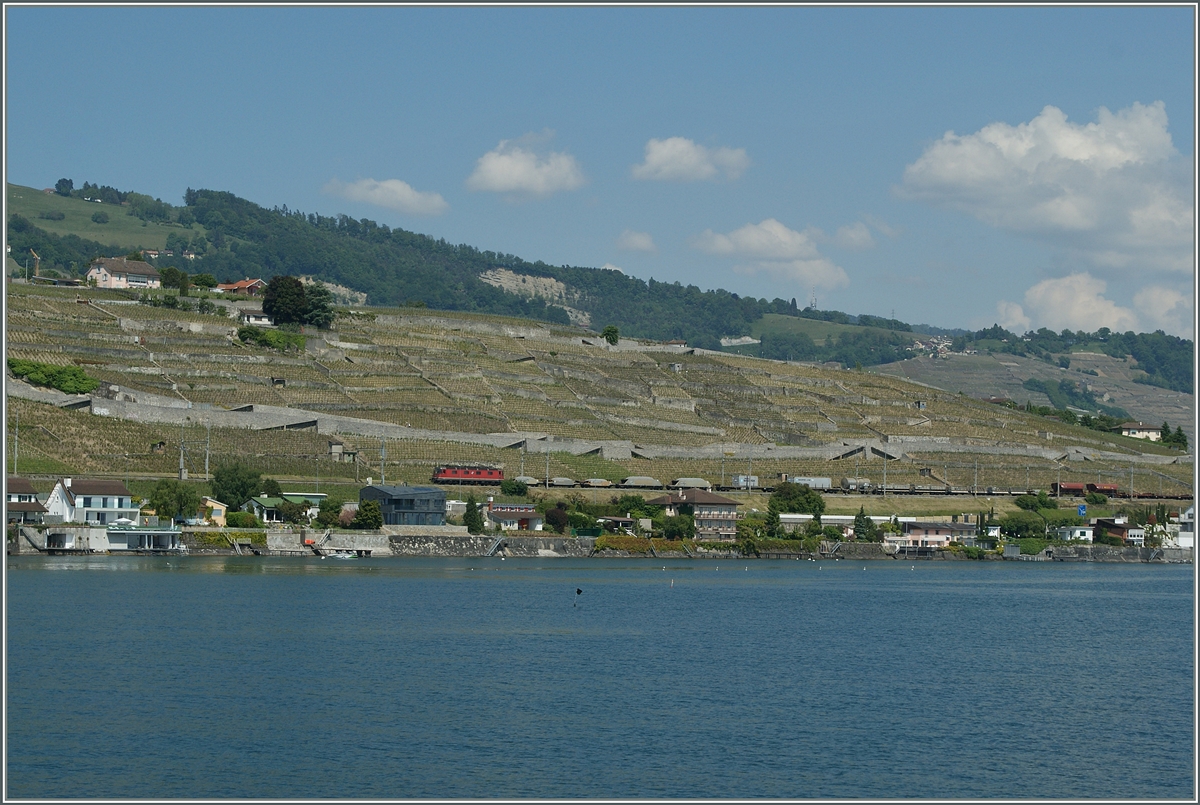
(436, 387)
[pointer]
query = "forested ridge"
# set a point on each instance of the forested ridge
(395, 267)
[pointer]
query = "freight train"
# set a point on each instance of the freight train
(486, 475)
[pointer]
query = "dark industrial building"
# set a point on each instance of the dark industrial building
(408, 505)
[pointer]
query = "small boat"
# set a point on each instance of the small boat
(342, 555)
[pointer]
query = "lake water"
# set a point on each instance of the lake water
(230, 677)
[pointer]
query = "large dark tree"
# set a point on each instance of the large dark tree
(283, 300)
(797, 498)
(318, 305)
(234, 484)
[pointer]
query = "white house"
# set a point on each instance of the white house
(84, 500)
(1187, 528)
(256, 318)
(514, 516)
(1139, 430)
(1070, 533)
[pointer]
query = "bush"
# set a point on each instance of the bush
(516, 488)
(272, 339)
(68, 379)
(242, 520)
(100, 217)
(1096, 498)
(52, 215)
(369, 516)
(1032, 546)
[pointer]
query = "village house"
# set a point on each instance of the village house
(214, 510)
(715, 516)
(252, 287)
(1073, 533)
(514, 516)
(255, 318)
(1187, 528)
(121, 272)
(917, 534)
(84, 500)
(1139, 430)
(21, 502)
(1131, 533)
(407, 505)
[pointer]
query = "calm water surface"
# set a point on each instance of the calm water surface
(393, 678)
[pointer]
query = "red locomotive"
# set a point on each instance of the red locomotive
(468, 474)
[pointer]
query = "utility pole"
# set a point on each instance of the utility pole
(382, 462)
(547, 467)
(885, 473)
(975, 486)
(182, 448)
(17, 441)
(207, 444)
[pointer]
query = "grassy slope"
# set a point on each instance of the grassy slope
(122, 229)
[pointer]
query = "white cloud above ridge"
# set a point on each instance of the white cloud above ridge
(1078, 302)
(512, 168)
(775, 250)
(679, 159)
(391, 193)
(768, 239)
(855, 237)
(632, 241)
(1114, 194)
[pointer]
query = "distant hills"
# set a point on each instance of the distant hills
(232, 238)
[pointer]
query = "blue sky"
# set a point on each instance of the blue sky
(958, 166)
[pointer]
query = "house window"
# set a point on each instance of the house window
(87, 502)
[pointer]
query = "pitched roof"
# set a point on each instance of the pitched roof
(125, 266)
(240, 285)
(700, 497)
(89, 486)
(20, 486)
(1138, 425)
(28, 506)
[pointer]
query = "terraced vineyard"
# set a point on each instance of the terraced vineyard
(428, 386)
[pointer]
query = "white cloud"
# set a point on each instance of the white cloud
(1165, 309)
(821, 272)
(781, 252)
(1076, 302)
(1011, 317)
(636, 241)
(391, 193)
(854, 236)
(512, 168)
(611, 267)
(882, 226)
(682, 160)
(1114, 193)
(768, 239)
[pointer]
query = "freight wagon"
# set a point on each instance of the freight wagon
(820, 484)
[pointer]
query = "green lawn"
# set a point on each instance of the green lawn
(122, 229)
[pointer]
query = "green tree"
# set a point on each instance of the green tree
(283, 300)
(171, 498)
(234, 484)
(328, 511)
(204, 280)
(1095, 498)
(270, 486)
(369, 516)
(797, 498)
(773, 528)
(293, 512)
(100, 217)
(557, 518)
(242, 520)
(318, 306)
(681, 526)
(170, 277)
(611, 334)
(64, 187)
(1022, 525)
(473, 517)
(864, 527)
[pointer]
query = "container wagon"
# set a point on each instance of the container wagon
(640, 482)
(1072, 490)
(1110, 490)
(690, 483)
(468, 474)
(745, 482)
(856, 485)
(823, 484)
(562, 481)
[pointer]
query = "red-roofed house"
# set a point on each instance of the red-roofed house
(251, 287)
